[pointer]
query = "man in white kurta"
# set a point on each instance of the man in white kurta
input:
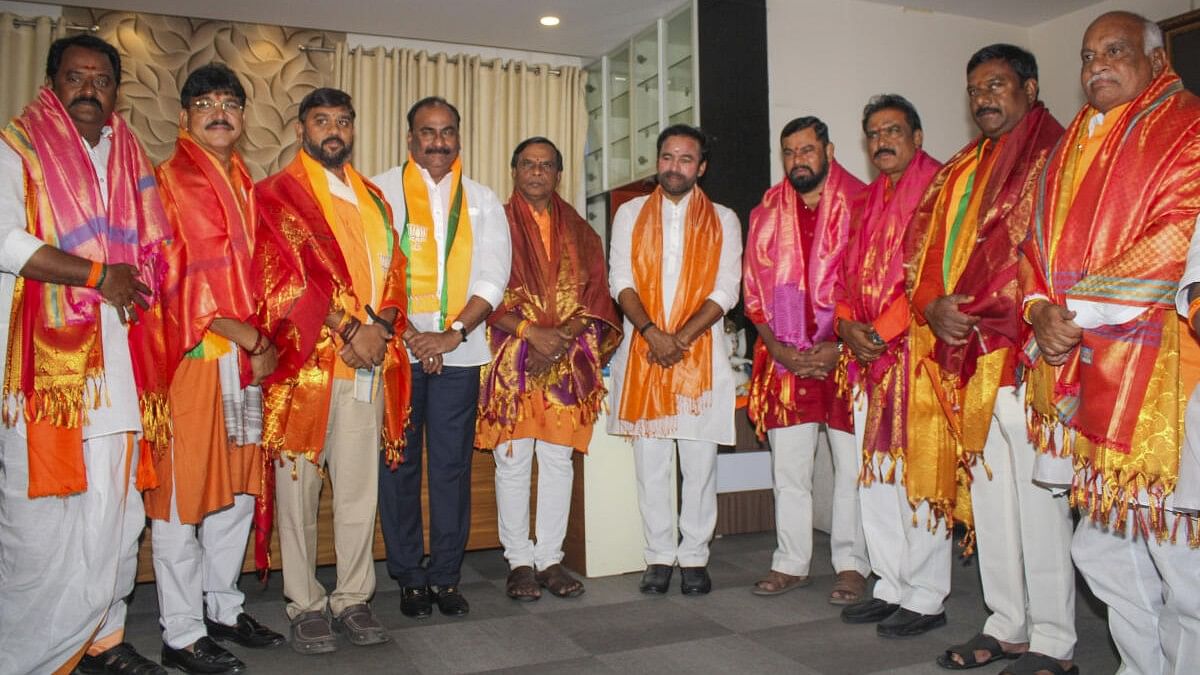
(68, 562)
(698, 424)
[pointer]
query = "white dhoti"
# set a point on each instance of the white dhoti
(793, 450)
(698, 499)
(555, 475)
(66, 563)
(1023, 534)
(197, 566)
(911, 561)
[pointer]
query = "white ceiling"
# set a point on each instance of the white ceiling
(589, 27)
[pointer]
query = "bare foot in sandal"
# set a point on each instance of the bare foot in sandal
(522, 585)
(558, 581)
(980, 651)
(778, 582)
(848, 588)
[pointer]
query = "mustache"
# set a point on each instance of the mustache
(984, 111)
(672, 174)
(437, 151)
(86, 99)
(884, 151)
(1101, 77)
(219, 123)
(796, 170)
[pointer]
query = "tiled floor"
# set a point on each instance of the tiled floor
(614, 629)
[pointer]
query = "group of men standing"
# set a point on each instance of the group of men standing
(1018, 332)
(979, 340)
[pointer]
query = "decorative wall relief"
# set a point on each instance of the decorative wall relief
(158, 52)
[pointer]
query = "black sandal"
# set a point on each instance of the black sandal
(966, 651)
(1032, 663)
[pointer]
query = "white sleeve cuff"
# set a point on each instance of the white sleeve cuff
(725, 300)
(490, 292)
(19, 246)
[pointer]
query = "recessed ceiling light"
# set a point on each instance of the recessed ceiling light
(549, 20)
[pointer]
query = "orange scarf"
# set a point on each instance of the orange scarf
(651, 392)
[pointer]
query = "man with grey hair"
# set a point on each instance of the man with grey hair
(1113, 364)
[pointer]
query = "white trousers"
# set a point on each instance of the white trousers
(793, 450)
(911, 561)
(66, 563)
(1152, 591)
(1023, 533)
(555, 474)
(656, 487)
(199, 565)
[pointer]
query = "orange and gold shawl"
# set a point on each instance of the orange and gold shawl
(550, 285)
(303, 278)
(54, 348)
(1121, 237)
(650, 394)
(965, 241)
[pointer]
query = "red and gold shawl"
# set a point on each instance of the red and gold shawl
(548, 288)
(55, 348)
(953, 388)
(302, 277)
(779, 283)
(215, 242)
(650, 393)
(1121, 238)
(871, 284)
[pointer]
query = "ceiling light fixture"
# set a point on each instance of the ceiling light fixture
(549, 20)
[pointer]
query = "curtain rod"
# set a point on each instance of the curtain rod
(452, 59)
(17, 23)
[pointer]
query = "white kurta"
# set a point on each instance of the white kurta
(714, 424)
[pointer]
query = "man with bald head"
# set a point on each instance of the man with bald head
(1113, 361)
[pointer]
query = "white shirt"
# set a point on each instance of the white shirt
(491, 252)
(118, 405)
(716, 423)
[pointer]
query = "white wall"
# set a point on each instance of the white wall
(826, 59)
(30, 9)
(1056, 44)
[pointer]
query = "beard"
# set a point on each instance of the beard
(330, 159)
(676, 184)
(807, 183)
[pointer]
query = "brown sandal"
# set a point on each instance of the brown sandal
(848, 588)
(558, 581)
(522, 586)
(776, 583)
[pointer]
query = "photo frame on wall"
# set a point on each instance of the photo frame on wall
(1182, 36)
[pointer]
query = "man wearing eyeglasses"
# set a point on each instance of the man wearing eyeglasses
(911, 560)
(331, 282)
(552, 335)
(456, 239)
(201, 512)
(82, 234)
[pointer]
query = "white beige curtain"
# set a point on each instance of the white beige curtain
(24, 43)
(501, 103)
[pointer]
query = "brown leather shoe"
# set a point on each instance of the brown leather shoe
(558, 581)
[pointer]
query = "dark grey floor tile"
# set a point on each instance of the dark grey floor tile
(474, 646)
(741, 611)
(727, 654)
(597, 592)
(585, 666)
(633, 625)
(487, 601)
(830, 646)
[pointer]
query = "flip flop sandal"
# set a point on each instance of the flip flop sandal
(522, 585)
(777, 583)
(851, 585)
(1032, 663)
(966, 651)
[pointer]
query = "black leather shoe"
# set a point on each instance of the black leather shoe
(868, 611)
(246, 632)
(656, 580)
(694, 580)
(450, 601)
(206, 657)
(414, 602)
(907, 623)
(120, 660)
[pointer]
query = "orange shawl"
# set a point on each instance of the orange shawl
(651, 393)
(302, 275)
(953, 389)
(1122, 238)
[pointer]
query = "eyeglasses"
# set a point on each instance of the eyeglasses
(207, 105)
(528, 165)
(892, 132)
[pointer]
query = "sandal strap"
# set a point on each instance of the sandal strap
(966, 651)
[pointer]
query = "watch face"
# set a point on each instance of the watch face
(457, 325)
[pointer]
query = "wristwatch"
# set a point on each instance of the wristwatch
(462, 329)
